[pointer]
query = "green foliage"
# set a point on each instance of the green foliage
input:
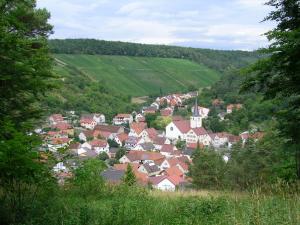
(161, 122)
(120, 153)
(25, 63)
(129, 176)
(207, 169)
(277, 77)
(150, 118)
(112, 143)
(87, 180)
(103, 156)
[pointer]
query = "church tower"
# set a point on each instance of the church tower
(196, 119)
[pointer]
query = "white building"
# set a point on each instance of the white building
(121, 119)
(190, 131)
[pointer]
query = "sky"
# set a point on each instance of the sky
(216, 24)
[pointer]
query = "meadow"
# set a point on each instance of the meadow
(128, 205)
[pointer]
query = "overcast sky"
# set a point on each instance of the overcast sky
(217, 24)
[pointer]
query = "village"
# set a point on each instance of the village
(159, 158)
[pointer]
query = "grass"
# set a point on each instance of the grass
(140, 76)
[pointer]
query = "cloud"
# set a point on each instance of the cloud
(215, 24)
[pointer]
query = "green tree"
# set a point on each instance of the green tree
(277, 77)
(120, 153)
(87, 179)
(129, 176)
(22, 176)
(25, 65)
(103, 156)
(207, 169)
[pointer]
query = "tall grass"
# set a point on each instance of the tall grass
(124, 205)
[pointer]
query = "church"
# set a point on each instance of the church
(190, 131)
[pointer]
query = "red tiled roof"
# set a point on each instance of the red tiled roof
(98, 143)
(62, 126)
(234, 106)
(108, 128)
(159, 140)
(123, 166)
(176, 180)
(166, 112)
(87, 121)
(183, 125)
(57, 117)
(174, 170)
(199, 131)
(142, 155)
(152, 133)
(122, 137)
(167, 148)
(138, 127)
(123, 115)
(60, 140)
(194, 145)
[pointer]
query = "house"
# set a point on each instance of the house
(56, 143)
(155, 104)
(99, 118)
(132, 142)
(167, 150)
(219, 139)
(89, 135)
(232, 139)
(113, 176)
(231, 107)
(202, 111)
(88, 154)
(149, 168)
(110, 129)
(159, 141)
(166, 112)
(254, 136)
(165, 183)
(60, 167)
(140, 157)
(56, 118)
(121, 119)
(136, 129)
(151, 133)
(99, 146)
(217, 102)
(174, 171)
(142, 178)
(121, 139)
(146, 146)
(140, 118)
(149, 110)
(88, 123)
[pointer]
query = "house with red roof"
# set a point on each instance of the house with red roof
(88, 123)
(167, 150)
(232, 107)
(99, 146)
(121, 139)
(165, 183)
(56, 118)
(141, 157)
(122, 118)
(166, 112)
(136, 129)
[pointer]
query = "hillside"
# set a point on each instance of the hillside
(138, 76)
(218, 60)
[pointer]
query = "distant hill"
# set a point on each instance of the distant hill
(139, 76)
(218, 60)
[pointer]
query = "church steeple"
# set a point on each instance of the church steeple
(196, 119)
(196, 109)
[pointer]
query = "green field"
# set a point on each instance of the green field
(139, 76)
